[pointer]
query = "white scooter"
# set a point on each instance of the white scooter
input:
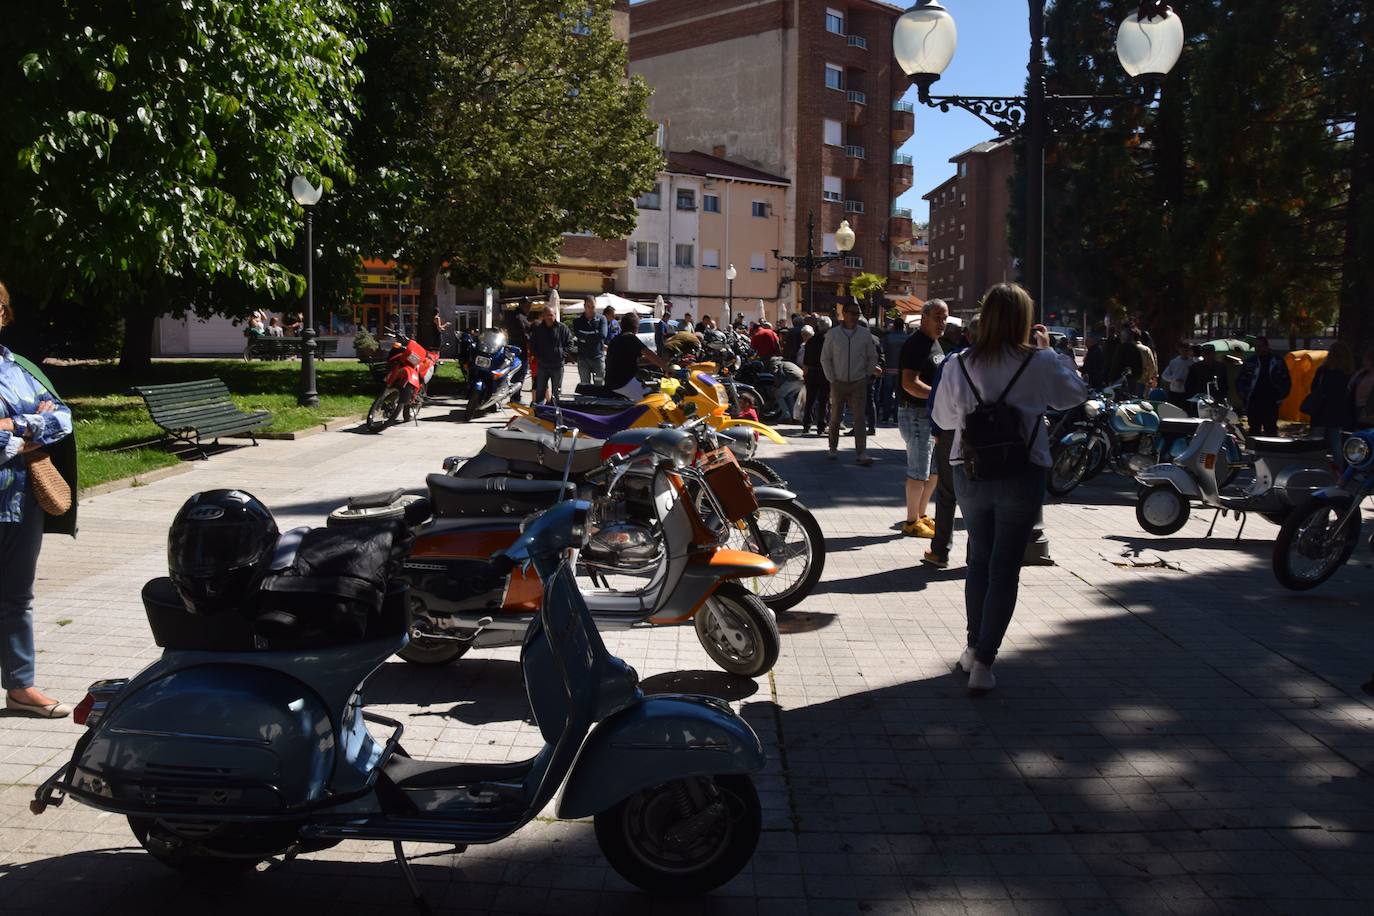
(1286, 473)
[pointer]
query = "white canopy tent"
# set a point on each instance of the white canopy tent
(619, 303)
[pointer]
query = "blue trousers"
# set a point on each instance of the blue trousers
(998, 517)
(19, 546)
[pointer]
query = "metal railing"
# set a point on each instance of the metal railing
(901, 212)
(853, 206)
(855, 152)
(908, 107)
(900, 159)
(901, 267)
(857, 97)
(858, 41)
(854, 261)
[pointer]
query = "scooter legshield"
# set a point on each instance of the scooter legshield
(1169, 475)
(659, 740)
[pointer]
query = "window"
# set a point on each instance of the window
(760, 209)
(834, 21)
(961, 293)
(961, 262)
(963, 169)
(710, 203)
(963, 200)
(828, 245)
(756, 263)
(832, 188)
(834, 77)
(646, 254)
(834, 133)
(651, 200)
(710, 258)
(961, 230)
(686, 199)
(682, 255)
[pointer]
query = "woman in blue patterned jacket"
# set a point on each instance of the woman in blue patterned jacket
(31, 417)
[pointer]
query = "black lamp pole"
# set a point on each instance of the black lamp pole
(309, 397)
(809, 262)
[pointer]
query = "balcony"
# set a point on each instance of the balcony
(853, 206)
(902, 173)
(854, 262)
(903, 121)
(899, 225)
(857, 97)
(900, 267)
(858, 41)
(857, 152)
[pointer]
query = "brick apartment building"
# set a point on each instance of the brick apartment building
(968, 226)
(804, 89)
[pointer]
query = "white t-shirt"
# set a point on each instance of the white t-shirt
(1051, 381)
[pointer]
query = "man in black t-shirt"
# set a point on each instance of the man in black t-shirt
(518, 335)
(622, 359)
(919, 360)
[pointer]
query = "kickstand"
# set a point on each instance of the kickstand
(1214, 523)
(1243, 517)
(416, 894)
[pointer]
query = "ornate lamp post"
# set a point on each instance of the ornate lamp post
(730, 274)
(307, 195)
(844, 241)
(1148, 45)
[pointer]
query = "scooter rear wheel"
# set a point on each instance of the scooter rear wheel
(653, 840)
(738, 631)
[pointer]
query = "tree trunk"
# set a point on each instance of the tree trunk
(428, 306)
(136, 355)
(1357, 274)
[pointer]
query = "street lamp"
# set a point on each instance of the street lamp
(307, 195)
(844, 241)
(1148, 45)
(730, 274)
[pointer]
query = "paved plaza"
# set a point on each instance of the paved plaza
(1172, 732)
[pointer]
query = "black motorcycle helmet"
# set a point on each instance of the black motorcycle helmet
(219, 548)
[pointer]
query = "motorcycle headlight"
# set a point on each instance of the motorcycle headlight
(1356, 451)
(674, 445)
(1092, 409)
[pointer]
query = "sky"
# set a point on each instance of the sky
(994, 44)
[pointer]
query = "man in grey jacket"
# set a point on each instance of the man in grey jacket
(849, 359)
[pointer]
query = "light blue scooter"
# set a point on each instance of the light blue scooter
(223, 760)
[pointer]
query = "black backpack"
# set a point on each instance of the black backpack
(991, 440)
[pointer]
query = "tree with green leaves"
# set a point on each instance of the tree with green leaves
(146, 149)
(491, 128)
(865, 286)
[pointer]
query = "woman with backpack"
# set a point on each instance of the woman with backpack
(993, 399)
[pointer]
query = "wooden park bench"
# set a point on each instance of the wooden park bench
(192, 412)
(280, 347)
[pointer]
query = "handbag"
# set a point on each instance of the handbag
(50, 490)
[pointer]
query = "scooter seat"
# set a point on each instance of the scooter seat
(1277, 445)
(541, 448)
(461, 497)
(599, 426)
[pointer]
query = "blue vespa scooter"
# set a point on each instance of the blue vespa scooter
(494, 364)
(222, 760)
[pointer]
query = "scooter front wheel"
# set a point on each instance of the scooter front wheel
(738, 631)
(683, 838)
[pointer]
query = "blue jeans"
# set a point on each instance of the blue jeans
(914, 425)
(19, 545)
(998, 517)
(887, 397)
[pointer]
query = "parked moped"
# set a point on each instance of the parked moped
(1318, 538)
(248, 741)
(494, 363)
(409, 370)
(1286, 473)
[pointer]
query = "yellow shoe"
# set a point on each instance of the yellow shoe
(912, 529)
(925, 527)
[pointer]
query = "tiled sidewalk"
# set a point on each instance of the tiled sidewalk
(1187, 740)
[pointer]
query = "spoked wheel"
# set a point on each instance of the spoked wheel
(1070, 466)
(1313, 543)
(738, 631)
(218, 852)
(761, 474)
(1097, 459)
(1161, 510)
(427, 650)
(384, 410)
(683, 838)
(787, 533)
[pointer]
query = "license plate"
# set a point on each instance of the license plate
(483, 362)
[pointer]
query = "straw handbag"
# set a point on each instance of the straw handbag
(51, 491)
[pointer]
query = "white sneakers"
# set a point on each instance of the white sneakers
(980, 679)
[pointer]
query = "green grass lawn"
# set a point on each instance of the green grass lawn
(116, 438)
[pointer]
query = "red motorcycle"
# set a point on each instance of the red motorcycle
(409, 369)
